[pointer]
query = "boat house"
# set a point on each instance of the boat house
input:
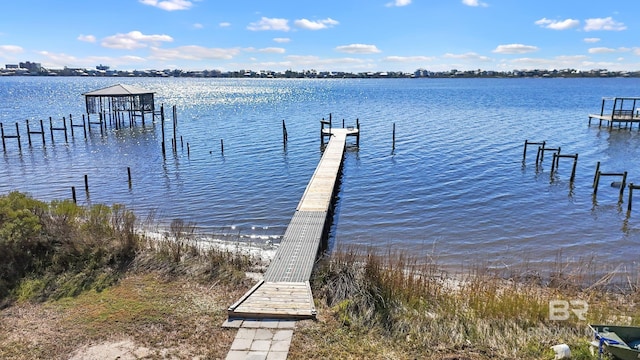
(120, 101)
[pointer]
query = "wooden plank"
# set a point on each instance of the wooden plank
(286, 291)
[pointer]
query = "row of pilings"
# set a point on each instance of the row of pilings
(543, 149)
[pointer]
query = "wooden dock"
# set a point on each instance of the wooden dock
(618, 110)
(285, 292)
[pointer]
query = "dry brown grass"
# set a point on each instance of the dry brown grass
(166, 317)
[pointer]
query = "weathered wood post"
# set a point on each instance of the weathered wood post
(18, 137)
(42, 132)
(595, 176)
(631, 188)
(129, 175)
(73, 194)
(284, 134)
(64, 126)
(596, 182)
(51, 129)
(573, 171)
(4, 145)
(222, 146)
(28, 133)
(86, 184)
(393, 144)
(358, 135)
(188, 150)
(623, 185)
(526, 143)
(84, 127)
(175, 124)
(164, 152)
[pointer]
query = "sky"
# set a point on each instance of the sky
(323, 35)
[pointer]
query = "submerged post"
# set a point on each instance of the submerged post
(595, 176)
(42, 132)
(573, 172)
(623, 185)
(526, 143)
(18, 136)
(358, 136)
(164, 152)
(284, 134)
(129, 175)
(28, 133)
(393, 144)
(64, 126)
(4, 145)
(86, 184)
(631, 188)
(175, 124)
(222, 146)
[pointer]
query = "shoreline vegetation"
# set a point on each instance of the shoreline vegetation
(35, 69)
(77, 281)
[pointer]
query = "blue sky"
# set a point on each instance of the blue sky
(327, 35)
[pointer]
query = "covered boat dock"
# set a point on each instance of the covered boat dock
(119, 102)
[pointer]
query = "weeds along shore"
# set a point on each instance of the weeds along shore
(90, 274)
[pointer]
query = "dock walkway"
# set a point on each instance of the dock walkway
(285, 292)
(620, 110)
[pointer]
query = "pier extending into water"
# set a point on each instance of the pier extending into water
(618, 110)
(285, 292)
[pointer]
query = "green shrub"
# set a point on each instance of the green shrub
(74, 248)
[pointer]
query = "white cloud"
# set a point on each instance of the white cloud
(59, 60)
(169, 5)
(467, 56)
(591, 40)
(269, 24)
(224, 24)
(606, 50)
(358, 49)
(558, 25)
(398, 3)
(603, 24)
(475, 3)
(601, 50)
(133, 40)
(282, 40)
(193, 52)
(10, 49)
(268, 50)
(403, 59)
(315, 25)
(515, 49)
(198, 26)
(87, 38)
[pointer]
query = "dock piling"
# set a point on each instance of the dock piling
(393, 143)
(600, 174)
(556, 162)
(631, 188)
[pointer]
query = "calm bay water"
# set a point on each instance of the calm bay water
(455, 189)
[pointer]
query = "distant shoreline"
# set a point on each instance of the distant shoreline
(313, 74)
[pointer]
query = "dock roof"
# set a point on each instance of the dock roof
(119, 90)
